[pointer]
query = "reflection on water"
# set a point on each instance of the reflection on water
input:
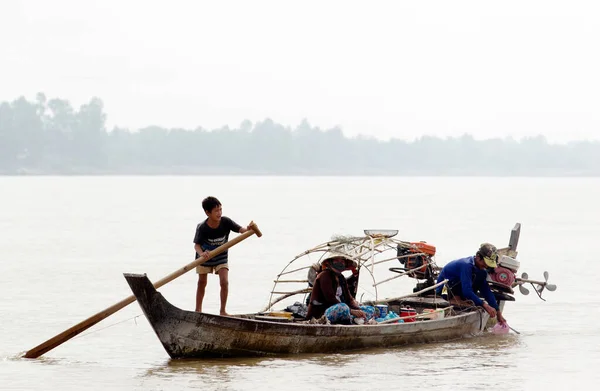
(214, 366)
(461, 357)
(45, 360)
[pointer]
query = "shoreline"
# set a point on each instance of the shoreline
(312, 173)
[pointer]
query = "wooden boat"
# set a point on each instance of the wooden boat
(189, 334)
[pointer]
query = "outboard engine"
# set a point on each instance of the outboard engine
(503, 277)
(417, 255)
(421, 260)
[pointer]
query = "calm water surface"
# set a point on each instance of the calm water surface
(65, 242)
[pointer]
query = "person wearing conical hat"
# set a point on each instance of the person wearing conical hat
(468, 276)
(331, 297)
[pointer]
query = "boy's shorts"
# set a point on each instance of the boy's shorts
(211, 269)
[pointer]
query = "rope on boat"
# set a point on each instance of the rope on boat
(469, 308)
(110, 325)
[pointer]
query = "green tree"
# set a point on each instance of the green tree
(89, 136)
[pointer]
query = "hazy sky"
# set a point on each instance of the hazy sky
(385, 69)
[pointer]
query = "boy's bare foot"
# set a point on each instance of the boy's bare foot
(223, 313)
(198, 309)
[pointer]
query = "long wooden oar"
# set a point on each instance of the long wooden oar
(89, 322)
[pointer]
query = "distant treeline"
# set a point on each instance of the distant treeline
(51, 137)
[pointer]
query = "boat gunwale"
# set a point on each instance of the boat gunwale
(240, 323)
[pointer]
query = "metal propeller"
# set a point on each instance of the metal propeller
(541, 285)
(550, 287)
(524, 291)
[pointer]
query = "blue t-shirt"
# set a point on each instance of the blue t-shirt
(471, 279)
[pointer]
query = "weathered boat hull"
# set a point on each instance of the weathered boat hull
(188, 334)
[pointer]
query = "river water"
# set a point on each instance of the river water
(66, 241)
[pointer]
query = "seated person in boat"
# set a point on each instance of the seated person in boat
(331, 297)
(351, 280)
(466, 276)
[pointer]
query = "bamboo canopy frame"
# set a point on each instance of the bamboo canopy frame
(361, 249)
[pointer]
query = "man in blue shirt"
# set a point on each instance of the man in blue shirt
(466, 276)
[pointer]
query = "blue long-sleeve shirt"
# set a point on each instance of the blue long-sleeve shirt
(471, 279)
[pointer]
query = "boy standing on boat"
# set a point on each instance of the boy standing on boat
(210, 234)
(467, 276)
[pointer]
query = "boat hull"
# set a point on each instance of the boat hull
(189, 334)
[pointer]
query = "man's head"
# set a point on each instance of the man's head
(487, 256)
(212, 208)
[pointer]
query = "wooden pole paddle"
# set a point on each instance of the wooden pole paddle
(89, 322)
